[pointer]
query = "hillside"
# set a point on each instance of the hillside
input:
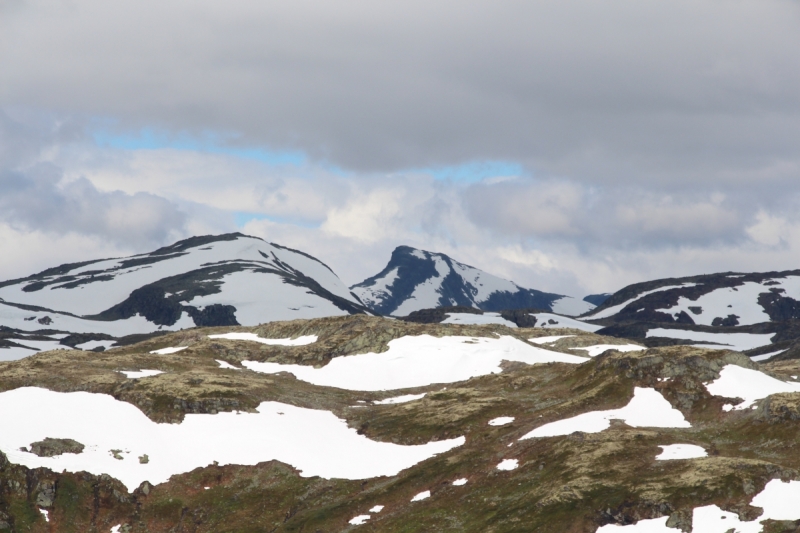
(415, 279)
(228, 279)
(756, 312)
(360, 423)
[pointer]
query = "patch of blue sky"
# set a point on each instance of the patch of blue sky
(474, 171)
(150, 139)
(242, 218)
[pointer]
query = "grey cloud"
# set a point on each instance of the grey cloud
(35, 197)
(668, 92)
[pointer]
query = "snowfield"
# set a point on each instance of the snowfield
(419, 361)
(315, 442)
(647, 408)
(750, 385)
(731, 341)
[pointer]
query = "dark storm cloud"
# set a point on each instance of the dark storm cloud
(610, 92)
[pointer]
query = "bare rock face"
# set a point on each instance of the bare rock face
(52, 447)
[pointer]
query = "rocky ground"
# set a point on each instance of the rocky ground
(574, 483)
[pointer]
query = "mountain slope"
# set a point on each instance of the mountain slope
(203, 281)
(415, 279)
(743, 310)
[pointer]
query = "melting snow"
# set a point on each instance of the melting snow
(400, 399)
(680, 451)
(751, 385)
(225, 364)
(136, 374)
(91, 345)
(472, 318)
(647, 408)
(421, 496)
(732, 341)
(315, 442)
(501, 421)
(45, 514)
(597, 349)
(167, 351)
(299, 341)
(419, 361)
(460, 482)
(766, 356)
(543, 320)
(549, 339)
(376, 509)
(360, 519)
(508, 464)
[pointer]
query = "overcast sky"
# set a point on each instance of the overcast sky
(572, 146)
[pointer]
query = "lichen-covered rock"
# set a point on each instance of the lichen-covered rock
(50, 447)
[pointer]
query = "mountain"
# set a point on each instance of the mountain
(368, 424)
(747, 311)
(202, 281)
(415, 279)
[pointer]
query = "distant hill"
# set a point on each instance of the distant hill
(218, 280)
(416, 279)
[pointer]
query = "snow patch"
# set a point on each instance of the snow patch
(299, 341)
(723, 341)
(680, 451)
(654, 525)
(508, 464)
(571, 306)
(550, 339)
(226, 365)
(400, 399)
(315, 442)
(424, 495)
(459, 482)
(359, 520)
(766, 356)
(376, 509)
(473, 319)
(549, 320)
(136, 374)
(750, 385)
(647, 408)
(597, 349)
(501, 421)
(167, 351)
(419, 361)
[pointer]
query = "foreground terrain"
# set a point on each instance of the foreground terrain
(361, 423)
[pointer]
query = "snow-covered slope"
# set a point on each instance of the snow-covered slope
(204, 281)
(709, 300)
(416, 279)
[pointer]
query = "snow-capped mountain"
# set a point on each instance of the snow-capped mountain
(202, 281)
(726, 299)
(415, 279)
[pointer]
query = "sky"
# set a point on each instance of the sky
(572, 146)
